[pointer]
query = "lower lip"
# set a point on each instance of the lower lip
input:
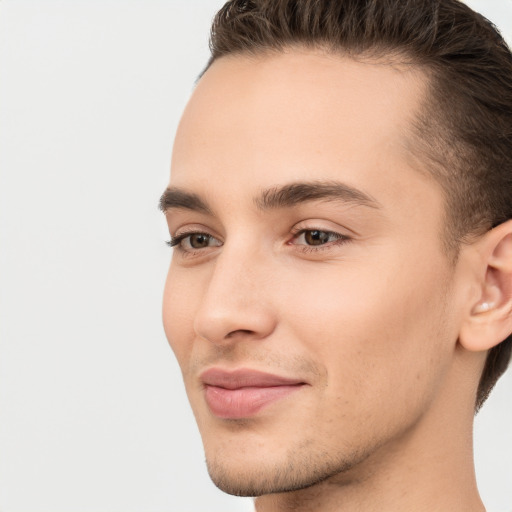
(244, 402)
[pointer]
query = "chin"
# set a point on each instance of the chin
(256, 477)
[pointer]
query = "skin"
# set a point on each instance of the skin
(371, 322)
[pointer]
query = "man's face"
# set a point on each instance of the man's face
(310, 252)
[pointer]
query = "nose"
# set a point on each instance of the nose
(236, 304)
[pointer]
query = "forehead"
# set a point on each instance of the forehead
(257, 122)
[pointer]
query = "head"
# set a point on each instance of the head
(340, 201)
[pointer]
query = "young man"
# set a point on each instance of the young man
(340, 294)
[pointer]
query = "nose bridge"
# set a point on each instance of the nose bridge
(232, 282)
(234, 301)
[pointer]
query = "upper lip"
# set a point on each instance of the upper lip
(244, 378)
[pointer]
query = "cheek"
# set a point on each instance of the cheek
(178, 309)
(377, 333)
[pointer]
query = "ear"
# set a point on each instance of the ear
(489, 320)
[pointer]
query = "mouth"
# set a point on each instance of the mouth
(243, 393)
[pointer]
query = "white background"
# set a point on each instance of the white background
(93, 417)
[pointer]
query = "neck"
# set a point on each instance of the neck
(431, 483)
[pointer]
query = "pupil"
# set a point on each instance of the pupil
(316, 237)
(199, 241)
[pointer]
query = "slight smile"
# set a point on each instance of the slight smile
(243, 393)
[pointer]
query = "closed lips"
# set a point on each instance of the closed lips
(244, 378)
(243, 393)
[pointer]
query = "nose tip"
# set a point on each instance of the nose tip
(223, 323)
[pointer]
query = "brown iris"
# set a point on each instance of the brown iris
(316, 237)
(199, 240)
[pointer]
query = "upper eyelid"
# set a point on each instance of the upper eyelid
(340, 232)
(329, 231)
(191, 230)
(320, 225)
(300, 229)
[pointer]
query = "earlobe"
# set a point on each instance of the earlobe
(490, 319)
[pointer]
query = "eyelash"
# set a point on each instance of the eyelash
(339, 239)
(175, 241)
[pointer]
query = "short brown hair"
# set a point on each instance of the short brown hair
(464, 130)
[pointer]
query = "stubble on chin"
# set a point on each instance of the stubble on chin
(296, 470)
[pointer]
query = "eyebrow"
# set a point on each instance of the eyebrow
(176, 198)
(296, 193)
(277, 197)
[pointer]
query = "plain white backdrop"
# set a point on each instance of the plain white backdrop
(93, 416)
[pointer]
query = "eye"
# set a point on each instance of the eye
(316, 237)
(197, 241)
(194, 241)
